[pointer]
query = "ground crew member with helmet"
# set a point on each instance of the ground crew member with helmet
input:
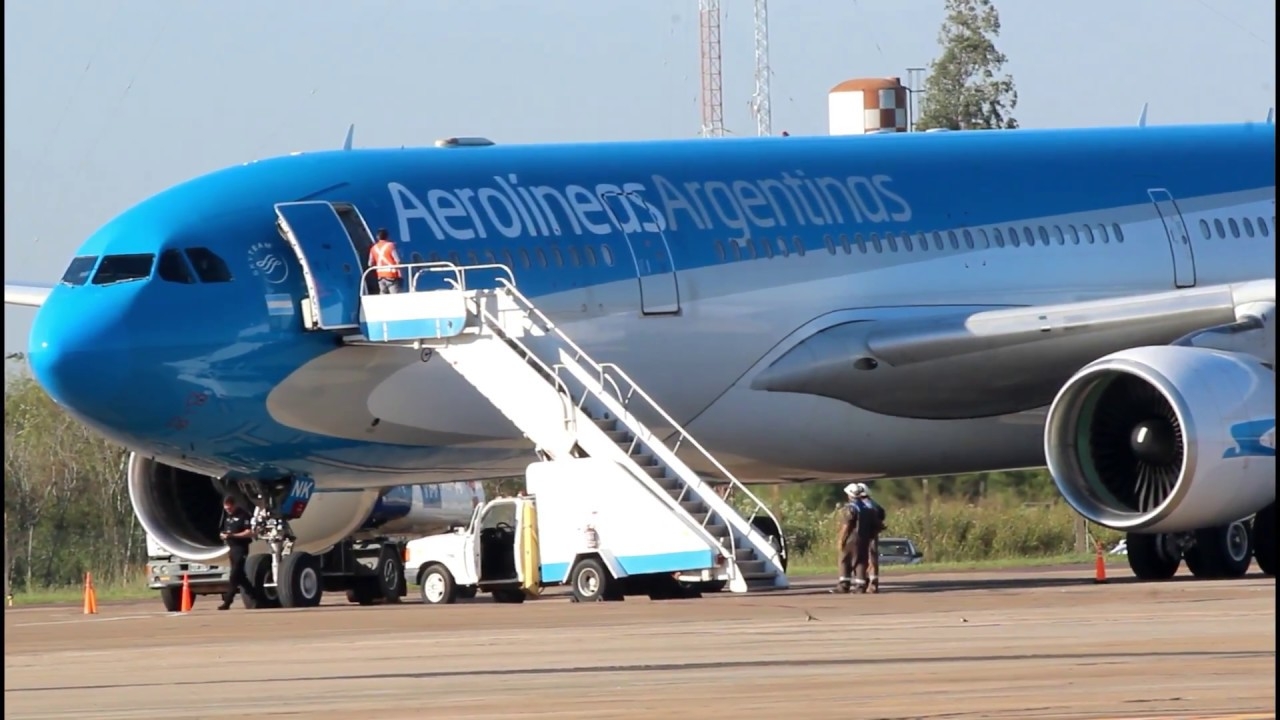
(237, 533)
(384, 258)
(863, 499)
(861, 521)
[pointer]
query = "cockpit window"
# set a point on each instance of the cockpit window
(209, 267)
(123, 268)
(78, 271)
(173, 268)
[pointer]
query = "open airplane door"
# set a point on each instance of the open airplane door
(529, 558)
(330, 264)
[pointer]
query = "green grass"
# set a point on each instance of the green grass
(75, 595)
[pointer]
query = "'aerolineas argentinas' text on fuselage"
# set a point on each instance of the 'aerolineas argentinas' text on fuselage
(510, 209)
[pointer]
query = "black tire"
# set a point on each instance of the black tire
(436, 585)
(770, 530)
(1221, 552)
(590, 581)
(258, 569)
(1264, 539)
(364, 592)
(172, 598)
(1152, 556)
(666, 587)
(301, 584)
(390, 574)
(514, 597)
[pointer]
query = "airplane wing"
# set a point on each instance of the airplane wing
(950, 363)
(25, 294)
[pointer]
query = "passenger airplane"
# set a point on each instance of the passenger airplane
(810, 308)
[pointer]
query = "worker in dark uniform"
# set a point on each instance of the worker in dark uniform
(860, 526)
(237, 533)
(875, 514)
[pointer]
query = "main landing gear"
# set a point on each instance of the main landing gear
(367, 571)
(1218, 552)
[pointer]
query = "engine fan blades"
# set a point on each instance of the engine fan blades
(1137, 443)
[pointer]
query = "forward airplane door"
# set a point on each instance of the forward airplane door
(639, 225)
(331, 265)
(1184, 261)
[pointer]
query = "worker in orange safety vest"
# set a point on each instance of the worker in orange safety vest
(384, 258)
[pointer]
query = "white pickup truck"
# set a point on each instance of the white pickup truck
(584, 522)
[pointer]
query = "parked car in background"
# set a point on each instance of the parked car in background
(899, 551)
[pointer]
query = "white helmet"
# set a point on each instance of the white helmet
(855, 489)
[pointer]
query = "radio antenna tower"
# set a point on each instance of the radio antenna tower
(760, 99)
(712, 105)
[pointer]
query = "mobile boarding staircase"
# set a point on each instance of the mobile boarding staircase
(565, 402)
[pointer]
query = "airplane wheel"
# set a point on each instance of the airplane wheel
(1152, 557)
(258, 569)
(1264, 539)
(300, 581)
(1221, 552)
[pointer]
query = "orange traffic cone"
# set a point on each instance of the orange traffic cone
(1099, 566)
(90, 597)
(186, 594)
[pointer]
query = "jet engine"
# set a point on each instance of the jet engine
(1165, 439)
(182, 510)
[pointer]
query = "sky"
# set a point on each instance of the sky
(108, 101)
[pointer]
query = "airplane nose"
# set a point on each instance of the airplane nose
(78, 352)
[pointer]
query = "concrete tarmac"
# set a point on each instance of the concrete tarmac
(965, 645)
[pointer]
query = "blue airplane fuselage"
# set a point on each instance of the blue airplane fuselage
(199, 356)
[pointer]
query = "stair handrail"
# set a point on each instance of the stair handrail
(459, 280)
(604, 369)
(651, 482)
(635, 437)
(562, 388)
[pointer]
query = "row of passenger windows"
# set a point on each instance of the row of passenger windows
(764, 247)
(573, 256)
(980, 239)
(176, 266)
(198, 263)
(1220, 229)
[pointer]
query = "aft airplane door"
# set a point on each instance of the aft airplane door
(649, 250)
(1184, 261)
(330, 264)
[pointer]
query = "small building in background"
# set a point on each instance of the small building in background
(866, 106)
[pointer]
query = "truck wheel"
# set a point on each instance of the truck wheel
(591, 581)
(258, 569)
(363, 593)
(172, 598)
(390, 574)
(437, 586)
(300, 582)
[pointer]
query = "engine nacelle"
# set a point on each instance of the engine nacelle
(182, 510)
(1165, 439)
